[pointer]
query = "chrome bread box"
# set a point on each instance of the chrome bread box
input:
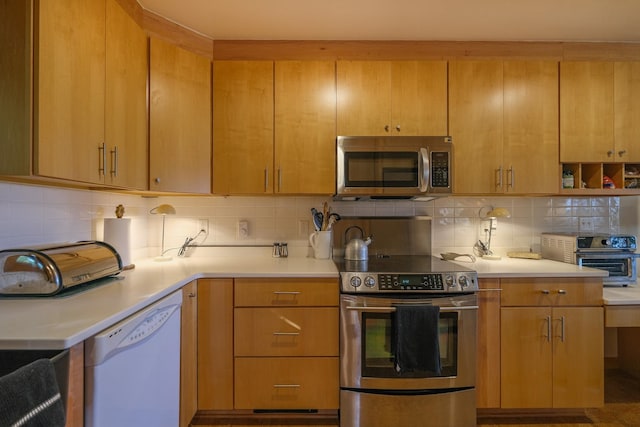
(50, 269)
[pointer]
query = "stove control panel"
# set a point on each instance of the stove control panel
(452, 282)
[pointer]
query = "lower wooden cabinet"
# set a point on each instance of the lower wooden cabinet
(552, 343)
(189, 354)
(267, 343)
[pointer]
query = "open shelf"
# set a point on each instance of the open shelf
(602, 178)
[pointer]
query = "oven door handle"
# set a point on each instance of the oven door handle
(392, 309)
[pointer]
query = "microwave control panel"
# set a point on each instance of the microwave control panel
(440, 169)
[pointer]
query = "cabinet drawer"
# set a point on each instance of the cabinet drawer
(551, 291)
(279, 331)
(286, 383)
(286, 292)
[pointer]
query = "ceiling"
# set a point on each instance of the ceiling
(441, 20)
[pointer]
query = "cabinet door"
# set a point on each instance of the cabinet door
(126, 100)
(586, 112)
(488, 369)
(526, 377)
(189, 354)
(364, 97)
(627, 111)
(70, 76)
(243, 127)
(419, 98)
(305, 127)
(180, 120)
(215, 344)
(578, 357)
(531, 127)
(476, 125)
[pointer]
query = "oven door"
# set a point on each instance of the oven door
(621, 266)
(366, 337)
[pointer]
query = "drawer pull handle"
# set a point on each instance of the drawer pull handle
(286, 334)
(286, 386)
(562, 291)
(545, 291)
(286, 292)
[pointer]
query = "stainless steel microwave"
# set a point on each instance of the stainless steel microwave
(398, 167)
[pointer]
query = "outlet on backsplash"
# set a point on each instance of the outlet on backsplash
(243, 229)
(586, 224)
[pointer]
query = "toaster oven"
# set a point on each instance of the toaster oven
(612, 253)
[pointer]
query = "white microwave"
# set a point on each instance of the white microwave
(398, 167)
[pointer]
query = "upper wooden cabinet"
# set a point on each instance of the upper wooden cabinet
(127, 69)
(89, 93)
(243, 127)
(274, 127)
(503, 119)
(599, 111)
(180, 120)
(392, 98)
(70, 90)
(305, 127)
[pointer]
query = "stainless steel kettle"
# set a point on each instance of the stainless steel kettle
(357, 249)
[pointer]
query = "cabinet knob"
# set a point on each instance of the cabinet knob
(157, 180)
(386, 128)
(191, 295)
(545, 291)
(609, 153)
(622, 153)
(562, 291)
(398, 128)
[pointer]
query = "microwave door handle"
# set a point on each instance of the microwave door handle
(424, 176)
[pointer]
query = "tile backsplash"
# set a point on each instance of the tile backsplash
(37, 214)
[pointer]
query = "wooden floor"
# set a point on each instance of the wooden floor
(621, 409)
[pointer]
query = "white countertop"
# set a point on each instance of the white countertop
(61, 322)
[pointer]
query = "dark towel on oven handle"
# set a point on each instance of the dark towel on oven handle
(416, 345)
(30, 397)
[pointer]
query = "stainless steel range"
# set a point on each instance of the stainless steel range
(407, 331)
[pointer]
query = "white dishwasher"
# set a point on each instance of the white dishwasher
(132, 369)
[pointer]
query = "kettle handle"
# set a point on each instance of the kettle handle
(349, 228)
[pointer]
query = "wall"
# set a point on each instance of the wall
(35, 214)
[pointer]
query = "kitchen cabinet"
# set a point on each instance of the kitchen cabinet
(243, 127)
(286, 344)
(488, 351)
(599, 111)
(599, 123)
(179, 120)
(552, 349)
(305, 127)
(392, 98)
(503, 122)
(88, 97)
(215, 344)
(189, 354)
(70, 90)
(127, 69)
(274, 127)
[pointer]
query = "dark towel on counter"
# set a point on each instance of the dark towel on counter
(29, 396)
(417, 347)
